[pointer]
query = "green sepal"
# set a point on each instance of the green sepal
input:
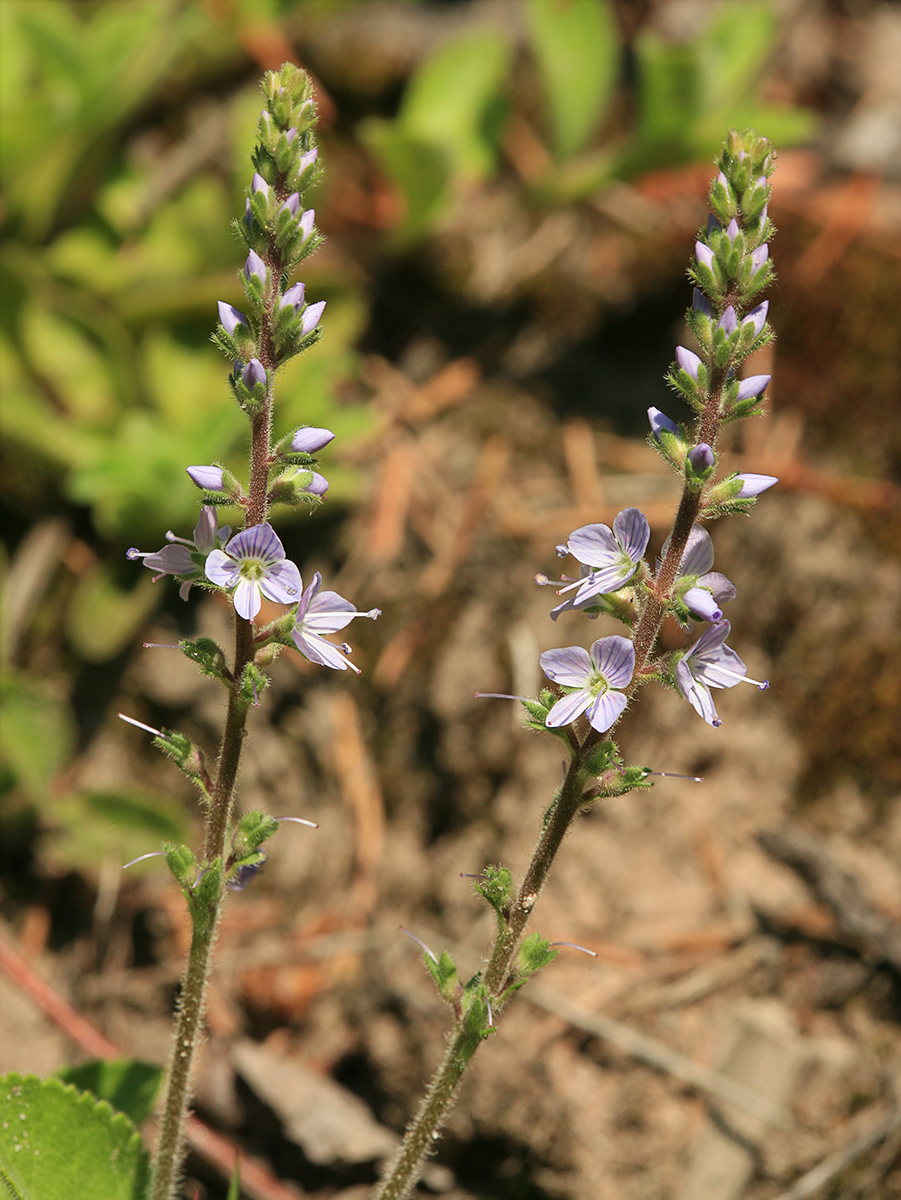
(208, 656)
(254, 288)
(186, 756)
(475, 1014)
(694, 479)
(252, 684)
(754, 406)
(496, 888)
(723, 201)
(600, 758)
(727, 508)
(253, 830)
(290, 487)
(253, 401)
(204, 896)
(182, 863)
(711, 281)
(237, 345)
(533, 955)
(444, 972)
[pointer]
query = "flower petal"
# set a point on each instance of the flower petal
(570, 665)
(260, 542)
(614, 657)
(632, 531)
(246, 599)
(220, 568)
(594, 545)
(605, 710)
(568, 708)
(282, 583)
(698, 556)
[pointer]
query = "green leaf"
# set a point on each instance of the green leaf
(36, 733)
(57, 1143)
(420, 170)
(128, 1085)
(97, 826)
(577, 48)
(455, 101)
(234, 1186)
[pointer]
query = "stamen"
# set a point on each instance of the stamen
(497, 696)
(140, 725)
(562, 551)
(466, 875)
(673, 775)
(763, 685)
(141, 857)
(298, 821)
(420, 942)
(160, 646)
(573, 946)
(490, 1013)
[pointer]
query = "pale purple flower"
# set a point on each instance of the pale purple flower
(307, 160)
(306, 222)
(311, 317)
(728, 322)
(310, 440)
(293, 296)
(259, 184)
(598, 675)
(688, 362)
(701, 458)
(710, 664)
(758, 258)
(177, 557)
(231, 317)
(292, 204)
(732, 230)
(254, 564)
(704, 255)
(255, 266)
(710, 589)
(701, 304)
(753, 386)
(753, 485)
(320, 613)
(208, 479)
(612, 554)
(254, 373)
(757, 317)
(318, 484)
(660, 422)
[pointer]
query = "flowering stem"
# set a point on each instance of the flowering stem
(422, 1131)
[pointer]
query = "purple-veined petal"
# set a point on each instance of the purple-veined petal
(565, 711)
(721, 588)
(605, 709)
(206, 530)
(594, 545)
(614, 658)
(697, 695)
(698, 555)
(246, 598)
(570, 665)
(221, 569)
(172, 560)
(632, 531)
(282, 583)
(258, 542)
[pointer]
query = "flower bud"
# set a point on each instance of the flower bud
(310, 440)
(753, 485)
(311, 317)
(293, 296)
(255, 268)
(208, 479)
